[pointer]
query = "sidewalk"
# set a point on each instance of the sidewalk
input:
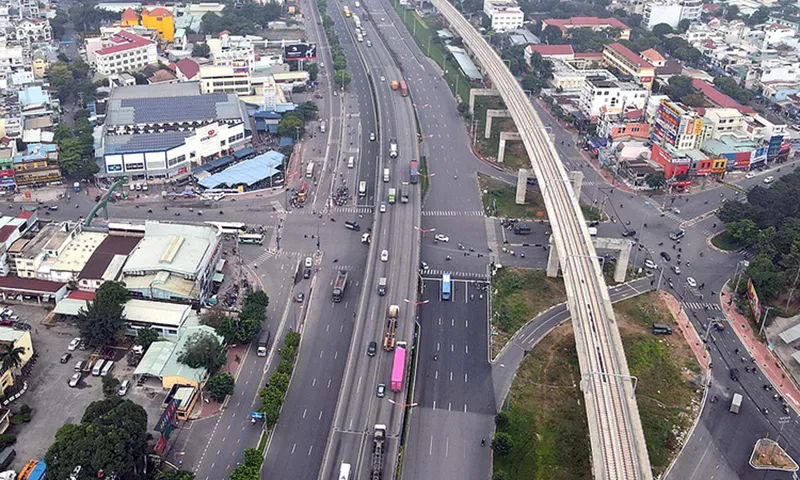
(209, 406)
(769, 365)
(689, 333)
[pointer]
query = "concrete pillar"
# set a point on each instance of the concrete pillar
(490, 114)
(505, 136)
(576, 178)
(522, 185)
(552, 260)
(623, 257)
(479, 92)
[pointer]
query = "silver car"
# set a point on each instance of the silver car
(74, 379)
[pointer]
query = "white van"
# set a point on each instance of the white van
(351, 162)
(107, 368)
(385, 175)
(97, 369)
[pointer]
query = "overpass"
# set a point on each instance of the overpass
(617, 439)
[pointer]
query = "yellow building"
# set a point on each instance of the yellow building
(160, 19)
(40, 64)
(130, 18)
(13, 339)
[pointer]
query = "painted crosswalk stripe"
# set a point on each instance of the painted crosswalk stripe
(456, 275)
(452, 213)
(701, 306)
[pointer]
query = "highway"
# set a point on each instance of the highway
(359, 409)
(617, 439)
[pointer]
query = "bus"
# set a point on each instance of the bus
(251, 238)
(302, 192)
(447, 286)
(230, 228)
(126, 229)
(310, 170)
(403, 88)
(344, 471)
(362, 188)
(399, 366)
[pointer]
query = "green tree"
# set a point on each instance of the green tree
(684, 25)
(280, 381)
(502, 444)
(62, 132)
(342, 78)
(731, 13)
(765, 243)
(220, 385)
(744, 231)
(11, 356)
(551, 35)
(175, 475)
(501, 421)
(758, 17)
(110, 386)
(292, 339)
(102, 320)
(201, 50)
(291, 126)
(499, 475)
(662, 29)
(146, 337)
(313, 71)
(766, 278)
(339, 62)
(308, 110)
(204, 350)
(679, 86)
(656, 180)
(111, 437)
(214, 317)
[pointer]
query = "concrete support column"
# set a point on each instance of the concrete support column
(576, 178)
(504, 137)
(623, 257)
(522, 185)
(479, 92)
(552, 260)
(490, 114)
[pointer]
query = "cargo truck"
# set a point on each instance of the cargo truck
(263, 343)
(399, 367)
(393, 148)
(382, 286)
(736, 403)
(378, 446)
(522, 229)
(339, 286)
(413, 174)
(395, 84)
(77, 186)
(389, 339)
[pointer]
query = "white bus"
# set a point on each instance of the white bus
(231, 228)
(362, 188)
(310, 170)
(351, 162)
(344, 471)
(97, 369)
(107, 368)
(251, 238)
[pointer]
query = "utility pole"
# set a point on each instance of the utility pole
(764, 320)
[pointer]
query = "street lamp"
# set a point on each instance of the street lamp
(424, 231)
(403, 405)
(415, 304)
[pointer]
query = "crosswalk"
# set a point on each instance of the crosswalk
(432, 272)
(278, 206)
(353, 209)
(451, 213)
(268, 254)
(701, 306)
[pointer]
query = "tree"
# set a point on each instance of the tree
(11, 356)
(498, 475)
(249, 470)
(765, 243)
(656, 180)
(111, 437)
(766, 278)
(502, 444)
(280, 381)
(146, 337)
(744, 231)
(313, 71)
(501, 421)
(662, 29)
(551, 34)
(731, 13)
(292, 339)
(175, 475)
(291, 126)
(201, 50)
(342, 78)
(110, 386)
(679, 86)
(220, 385)
(204, 350)
(339, 62)
(308, 110)
(684, 25)
(758, 17)
(214, 316)
(103, 319)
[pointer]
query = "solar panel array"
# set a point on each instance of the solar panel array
(174, 109)
(145, 142)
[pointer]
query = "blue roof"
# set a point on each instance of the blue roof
(33, 96)
(272, 128)
(286, 142)
(35, 151)
(144, 142)
(213, 164)
(265, 114)
(240, 154)
(248, 172)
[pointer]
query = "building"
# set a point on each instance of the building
(12, 338)
(31, 31)
(130, 18)
(38, 165)
(161, 20)
(764, 127)
(741, 154)
(550, 52)
(106, 262)
(125, 52)
(654, 58)
(258, 172)
(48, 243)
(721, 121)
(671, 12)
(623, 59)
(718, 98)
(631, 124)
(225, 79)
(68, 265)
(40, 63)
(173, 262)
(569, 78)
(674, 162)
(678, 126)
(504, 15)
(187, 70)
(602, 96)
(161, 130)
(26, 290)
(161, 361)
(594, 23)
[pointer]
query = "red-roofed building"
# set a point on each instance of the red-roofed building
(31, 290)
(82, 295)
(718, 98)
(561, 52)
(653, 57)
(594, 23)
(187, 70)
(130, 18)
(628, 63)
(125, 52)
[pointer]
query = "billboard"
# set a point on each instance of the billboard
(752, 298)
(300, 51)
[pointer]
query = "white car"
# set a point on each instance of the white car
(74, 344)
(382, 208)
(371, 136)
(74, 379)
(650, 264)
(769, 179)
(309, 263)
(676, 211)
(676, 269)
(383, 79)
(750, 175)
(442, 237)
(384, 255)
(691, 282)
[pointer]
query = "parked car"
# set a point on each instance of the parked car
(65, 358)
(79, 365)
(749, 175)
(74, 344)
(74, 379)
(676, 269)
(123, 388)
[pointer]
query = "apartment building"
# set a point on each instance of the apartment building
(38, 165)
(125, 52)
(225, 79)
(600, 96)
(678, 126)
(721, 121)
(33, 30)
(628, 63)
(504, 14)
(671, 12)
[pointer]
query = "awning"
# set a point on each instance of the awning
(218, 277)
(240, 154)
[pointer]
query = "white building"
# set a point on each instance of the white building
(125, 52)
(225, 79)
(759, 128)
(11, 58)
(602, 96)
(31, 31)
(721, 121)
(571, 79)
(504, 14)
(657, 13)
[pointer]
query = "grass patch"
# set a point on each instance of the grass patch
(262, 442)
(423, 173)
(499, 199)
(547, 416)
(517, 296)
(591, 213)
(723, 241)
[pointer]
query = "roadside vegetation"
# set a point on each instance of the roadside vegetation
(273, 395)
(499, 200)
(725, 242)
(518, 295)
(546, 424)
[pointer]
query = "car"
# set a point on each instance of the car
(691, 282)
(381, 390)
(676, 269)
(74, 344)
(371, 136)
(423, 266)
(79, 365)
(74, 379)
(768, 386)
(384, 255)
(629, 233)
(750, 175)
(308, 262)
(306, 273)
(65, 358)
(300, 297)
(53, 207)
(650, 264)
(372, 349)
(442, 237)
(676, 211)
(383, 79)
(123, 388)
(382, 208)
(666, 256)
(322, 64)
(769, 179)
(335, 94)
(735, 374)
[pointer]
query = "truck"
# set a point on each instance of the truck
(263, 343)
(386, 173)
(382, 286)
(388, 339)
(378, 445)
(395, 84)
(346, 11)
(399, 367)
(394, 311)
(77, 186)
(352, 226)
(522, 229)
(413, 172)
(6, 456)
(393, 148)
(310, 170)
(736, 403)
(339, 286)
(33, 470)
(392, 195)
(403, 195)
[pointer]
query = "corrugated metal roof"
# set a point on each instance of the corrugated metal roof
(248, 172)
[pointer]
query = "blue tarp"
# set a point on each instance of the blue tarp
(597, 142)
(248, 172)
(286, 142)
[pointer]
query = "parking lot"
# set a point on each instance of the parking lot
(49, 395)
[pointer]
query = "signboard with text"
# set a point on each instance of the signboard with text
(752, 298)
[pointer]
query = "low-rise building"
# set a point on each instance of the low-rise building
(593, 23)
(739, 153)
(13, 339)
(38, 165)
(68, 265)
(31, 31)
(125, 52)
(550, 52)
(26, 290)
(678, 126)
(161, 360)
(161, 20)
(721, 121)
(601, 96)
(106, 262)
(48, 243)
(504, 15)
(628, 63)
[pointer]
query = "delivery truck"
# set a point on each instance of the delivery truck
(736, 403)
(263, 343)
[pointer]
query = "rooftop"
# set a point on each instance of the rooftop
(35, 246)
(171, 247)
(78, 252)
(651, 54)
(10, 335)
(579, 22)
(719, 98)
(248, 172)
(36, 151)
(123, 41)
(728, 144)
(105, 253)
(546, 50)
(161, 359)
(628, 55)
(30, 285)
(145, 142)
(465, 62)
